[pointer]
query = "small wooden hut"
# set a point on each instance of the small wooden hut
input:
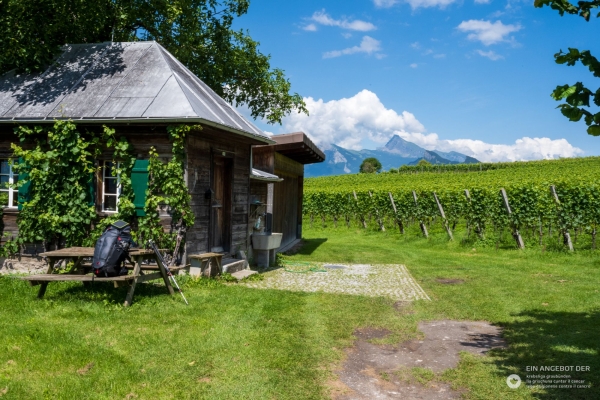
(139, 89)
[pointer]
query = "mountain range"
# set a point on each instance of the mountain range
(395, 153)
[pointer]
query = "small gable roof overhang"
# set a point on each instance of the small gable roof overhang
(259, 175)
(298, 147)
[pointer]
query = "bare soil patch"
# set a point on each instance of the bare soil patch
(371, 333)
(373, 371)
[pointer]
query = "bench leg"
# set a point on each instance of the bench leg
(163, 272)
(44, 285)
(42, 290)
(136, 273)
(129, 298)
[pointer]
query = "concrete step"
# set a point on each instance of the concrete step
(232, 265)
(239, 275)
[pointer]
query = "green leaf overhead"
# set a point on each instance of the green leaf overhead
(577, 96)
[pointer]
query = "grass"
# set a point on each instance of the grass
(233, 342)
(230, 343)
(548, 302)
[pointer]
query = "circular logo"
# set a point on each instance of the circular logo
(513, 381)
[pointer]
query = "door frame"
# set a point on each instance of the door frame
(227, 206)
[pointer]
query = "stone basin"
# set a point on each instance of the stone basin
(266, 242)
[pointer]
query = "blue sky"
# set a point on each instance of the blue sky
(472, 76)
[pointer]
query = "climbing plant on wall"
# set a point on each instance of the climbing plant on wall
(123, 160)
(56, 186)
(56, 166)
(167, 187)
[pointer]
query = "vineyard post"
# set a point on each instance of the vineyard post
(362, 218)
(398, 220)
(348, 216)
(444, 220)
(421, 224)
(379, 220)
(515, 232)
(565, 231)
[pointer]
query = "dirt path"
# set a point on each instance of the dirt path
(407, 371)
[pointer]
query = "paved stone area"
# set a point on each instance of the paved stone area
(25, 265)
(239, 275)
(393, 281)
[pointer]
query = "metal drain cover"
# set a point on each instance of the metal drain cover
(334, 266)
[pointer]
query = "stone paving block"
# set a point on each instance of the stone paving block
(392, 281)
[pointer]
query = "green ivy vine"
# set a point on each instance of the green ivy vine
(123, 160)
(167, 186)
(60, 163)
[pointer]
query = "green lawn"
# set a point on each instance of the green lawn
(233, 342)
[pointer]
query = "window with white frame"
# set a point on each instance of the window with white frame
(9, 192)
(111, 187)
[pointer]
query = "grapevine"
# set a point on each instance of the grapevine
(471, 197)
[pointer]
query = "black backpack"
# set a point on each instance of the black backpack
(112, 249)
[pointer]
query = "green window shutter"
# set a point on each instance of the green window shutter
(91, 190)
(139, 183)
(24, 194)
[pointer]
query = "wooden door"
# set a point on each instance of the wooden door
(220, 234)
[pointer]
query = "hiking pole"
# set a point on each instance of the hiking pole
(162, 261)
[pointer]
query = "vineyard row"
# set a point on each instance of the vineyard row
(562, 208)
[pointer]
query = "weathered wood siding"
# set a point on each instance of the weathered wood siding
(201, 148)
(287, 198)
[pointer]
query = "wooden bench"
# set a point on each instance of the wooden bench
(206, 264)
(78, 271)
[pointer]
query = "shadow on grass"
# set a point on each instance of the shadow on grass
(310, 245)
(546, 339)
(103, 292)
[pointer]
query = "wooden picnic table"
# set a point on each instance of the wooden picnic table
(79, 272)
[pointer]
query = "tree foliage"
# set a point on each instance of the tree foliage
(197, 32)
(577, 97)
(370, 165)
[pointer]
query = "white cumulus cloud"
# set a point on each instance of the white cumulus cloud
(349, 121)
(487, 32)
(492, 55)
(385, 3)
(483, 1)
(322, 18)
(368, 45)
(523, 149)
(346, 122)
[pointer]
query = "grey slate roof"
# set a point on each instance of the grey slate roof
(112, 82)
